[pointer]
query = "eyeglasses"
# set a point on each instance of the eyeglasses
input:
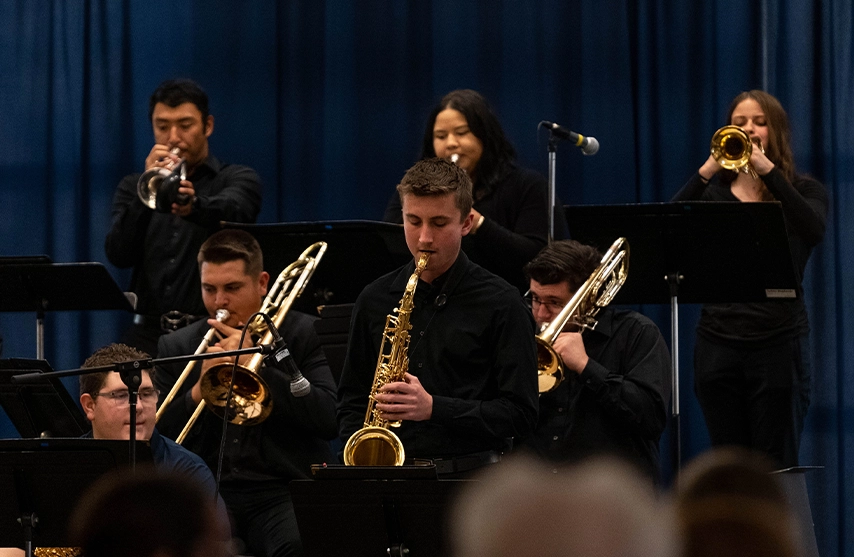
(122, 398)
(534, 302)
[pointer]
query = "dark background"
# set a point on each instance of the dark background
(327, 100)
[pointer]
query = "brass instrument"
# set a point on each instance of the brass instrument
(250, 401)
(158, 186)
(596, 292)
(731, 147)
(375, 444)
(221, 315)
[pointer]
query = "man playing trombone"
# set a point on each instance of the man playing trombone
(160, 242)
(258, 460)
(617, 386)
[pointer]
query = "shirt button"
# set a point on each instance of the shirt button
(421, 333)
(420, 365)
(234, 441)
(172, 260)
(560, 410)
(555, 438)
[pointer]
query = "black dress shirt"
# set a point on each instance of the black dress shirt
(162, 247)
(618, 404)
(805, 204)
(472, 347)
(289, 441)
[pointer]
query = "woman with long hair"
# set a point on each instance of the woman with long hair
(510, 203)
(752, 360)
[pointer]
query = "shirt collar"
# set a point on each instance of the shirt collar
(604, 323)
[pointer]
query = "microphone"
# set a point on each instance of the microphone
(284, 362)
(589, 145)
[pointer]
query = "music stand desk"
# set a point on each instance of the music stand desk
(358, 253)
(39, 409)
(41, 287)
(48, 477)
(363, 516)
(694, 252)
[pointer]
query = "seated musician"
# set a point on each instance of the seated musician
(104, 398)
(614, 398)
(259, 460)
(469, 389)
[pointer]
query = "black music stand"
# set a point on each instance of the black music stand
(694, 252)
(394, 511)
(42, 480)
(39, 409)
(40, 287)
(358, 252)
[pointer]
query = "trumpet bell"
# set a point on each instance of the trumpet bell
(250, 402)
(731, 147)
(374, 446)
(158, 188)
(550, 372)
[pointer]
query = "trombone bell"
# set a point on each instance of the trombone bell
(250, 402)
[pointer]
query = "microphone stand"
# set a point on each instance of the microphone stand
(131, 374)
(552, 196)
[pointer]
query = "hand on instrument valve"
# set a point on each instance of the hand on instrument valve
(229, 340)
(161, 156)
(405, 400)
(570, 348)
(187, 208)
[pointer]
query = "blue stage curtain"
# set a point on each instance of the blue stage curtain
(327, 100)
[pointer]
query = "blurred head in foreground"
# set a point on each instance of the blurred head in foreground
(600, 508)
(147, 514)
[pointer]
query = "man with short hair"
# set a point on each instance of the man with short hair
(617, 386)
(161, 247)
(471, 386)
(258, 460)
(105, 401)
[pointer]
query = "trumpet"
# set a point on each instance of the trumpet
(158, 186)
(596, 292)
(731, 147)
(250, 402)
(221, 315)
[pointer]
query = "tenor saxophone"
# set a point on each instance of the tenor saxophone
(375, 444)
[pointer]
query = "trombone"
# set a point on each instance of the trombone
(250, 402)
(596, 293)
(221, 315)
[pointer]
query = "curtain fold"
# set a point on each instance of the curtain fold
(327, 100)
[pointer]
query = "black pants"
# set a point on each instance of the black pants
(263, 517)
(755, 398)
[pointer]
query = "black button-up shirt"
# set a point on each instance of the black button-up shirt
(162, 247)
(618, 404)
(472, 347)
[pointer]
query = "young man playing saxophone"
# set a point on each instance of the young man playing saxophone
(470, 389)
